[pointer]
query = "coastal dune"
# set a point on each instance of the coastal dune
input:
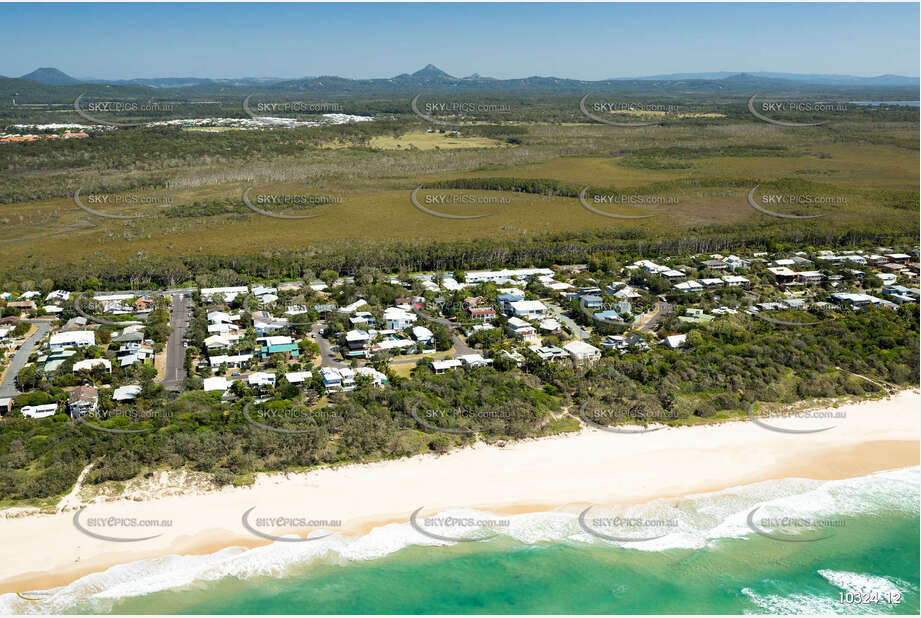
(569, 472)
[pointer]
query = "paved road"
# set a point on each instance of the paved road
(460, 346)
(174, 374)
(577, 331)
(327, 358)
(8, 388)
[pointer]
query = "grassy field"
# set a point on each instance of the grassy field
(859, 163)
(432, 141)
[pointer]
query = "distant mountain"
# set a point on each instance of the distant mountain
(184, 82)
(430, 71)
(51, 77)
(38, 86)
(812, 78)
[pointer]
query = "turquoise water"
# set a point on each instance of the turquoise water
(710, 562)
(749, 575)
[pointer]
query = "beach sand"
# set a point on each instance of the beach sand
(569, 471)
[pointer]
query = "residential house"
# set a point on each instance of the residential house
(41, 411)
(528, 309)
(350, 308)
(127, 392)
(734, 281)
(425, 340)
(357, 343)
(782, 274)
(83, 400)
(72, 339)
(298, 377)
(715, 265)
(522, 330)
(218, 383)
(227, 293)
(549, 352)
(261, 379)
(441, 366)
(90, 363)
(811, 277)
(396, 318)
(496, 276)
(236, 361)
(581, 352)
(675, 341)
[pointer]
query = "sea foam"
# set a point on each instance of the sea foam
(695, 522)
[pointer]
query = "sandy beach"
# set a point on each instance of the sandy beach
(591, 467)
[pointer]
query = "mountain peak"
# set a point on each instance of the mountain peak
(430, 71)
(51, 76)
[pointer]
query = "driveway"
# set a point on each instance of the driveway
(327, 358)
(8, 388)
(648, 322)
(577, 331)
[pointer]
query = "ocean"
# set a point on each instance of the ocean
(842, 547)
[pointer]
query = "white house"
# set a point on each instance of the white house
(425, 338)
(228, 293)
(474, 360)
(72, 339)
(581, 352)
(126, 393)
(396, 318)
(361, 302)
(235, 361)
(481, 276)
(298, 377)
(41, 411)
(675, 341)
(440, 366)
(528, 309)
(261, 378)
(90, 363)
(216, 384)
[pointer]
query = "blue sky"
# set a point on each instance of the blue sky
(585, 41)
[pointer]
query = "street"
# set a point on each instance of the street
(8, 388)
(174, 373)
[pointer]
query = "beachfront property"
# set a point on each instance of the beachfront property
(83, 400)
(582, 353)
(40, 411)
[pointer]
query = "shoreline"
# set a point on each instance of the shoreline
(576, 469)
